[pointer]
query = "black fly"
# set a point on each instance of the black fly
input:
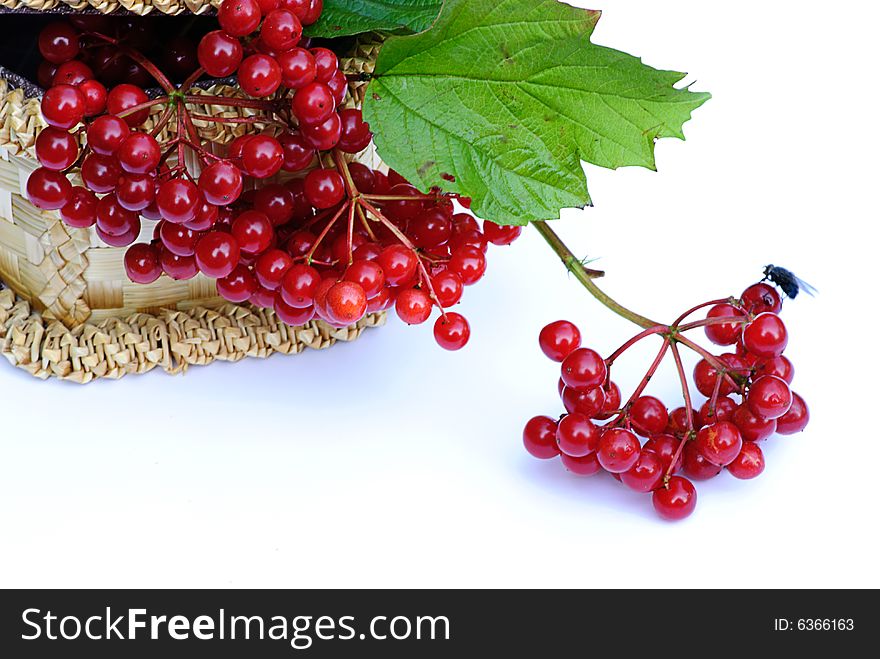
(787, 281)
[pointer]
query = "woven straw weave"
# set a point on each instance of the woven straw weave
(78, 317)
(142, 7)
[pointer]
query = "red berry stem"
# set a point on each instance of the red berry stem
(714, 362)
(133, 54)
(651, 331)
(712, 303)
(685, 389)
(624, 411)
(585, 276)
(253, 104)
(325, 231)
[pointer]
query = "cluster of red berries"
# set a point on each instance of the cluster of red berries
(283, 220)
(644, 445)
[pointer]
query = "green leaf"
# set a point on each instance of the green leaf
(342, 18)
(502, 99)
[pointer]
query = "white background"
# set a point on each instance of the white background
(388, 462)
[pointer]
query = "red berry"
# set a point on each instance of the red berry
(765, 336)
(452, 331)
(313, 103)
(324, 188)
(356, 134)
(298, 154)
(769, 397)
(326, 63)
(749, 463)
(113, 219)
(80, 211)
(239, 18)
(123, 98)
(178, 201)
(539, 437)
(724, 334)
(577, 436)
(584, 369)
(646, 474)
(217, 254)
(281, 30)
(308, 11)
(559, 339)
(780, 366)
(367, 274)
(323, 135)
(48, 190)
(271, 268)
(618, 450)
(676, 499)
(448, 287)
(72, 73)
(585, 466)
(399, 264)
(695, 465)
(752, 428)
(299, 286)
(56, 149)
(178, 239)
(179, 268)
(289, 315)
(139, 153)
(429, 229)
(469, 263)
(253, 232)
(760, 298)
(612, 402)
(795, 419)
(63, 106)
(338, 85)
(219, 54)
(259, 76)
(142, 264)
(589, 402)
(413, 306)
(135, 191)
(238, 286)
(221, 183)
(719, 443)
(58, 42)
(106, 134)
(346, 302)
(95, 96)
(705, 376)
(665, 446)
(500, 234)
(297, 68)
(724, 409)
(649, 416)
(100, 173)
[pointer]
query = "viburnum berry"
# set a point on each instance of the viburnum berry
(259, 75)
(135, 192)
(780, 366)
(238, 286)
(139, 153)
(618, 450)
(769, 397)
(58, 42)
(796, 419)
(299, 285)
(413, 306)
(178, 239)
(676, 499)
(281, 29)
(100, 173)
(590, 402)
(298, 154)
(179, 268)
(649, 416)
(719, 443)
(113, 219)
(346, 302)
(324, 188)
(81, 209)
(313, 103)
(323, 135)
(646, 474)
(368, 275)
(760, 298)
(695, 464)
(612, 401)
(752, 427)
(122, 99)
(297, 68)
(356, 135)
(724, 334)
(539, 437)
(262, 156)
(585, 466)
(217, 254)
(577, 436)
(63, 106)
(749, 463)
(178, 201)
(47, 189)
(666, 447)
(452, 331)
(448, 287)
(500, 234)
(219, 54)
(288, 315)
(106, 134)
(584, 369)
(271, 267)
(239, 18)
(722, 411)
(56, 149)
(559, 339)
(72, 73)
(469, 263)
(221, 183)
(95, 96)
(142, 264)
(765, 336)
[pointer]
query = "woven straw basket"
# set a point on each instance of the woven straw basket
(68, 309)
